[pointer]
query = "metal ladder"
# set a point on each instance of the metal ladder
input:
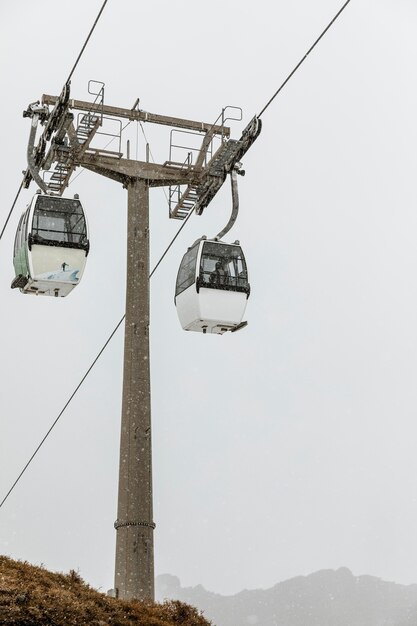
(61, 172)
(183, 202)
(87, 126)
(64, 166)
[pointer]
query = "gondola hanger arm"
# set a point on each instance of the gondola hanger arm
(235, 200)
(32, 165)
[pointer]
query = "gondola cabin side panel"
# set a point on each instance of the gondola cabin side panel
(20, 256)
(51, 246)
(53, 264)
(222, 308)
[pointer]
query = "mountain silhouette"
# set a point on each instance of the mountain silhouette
(325, 598)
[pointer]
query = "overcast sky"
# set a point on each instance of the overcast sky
(287, 447)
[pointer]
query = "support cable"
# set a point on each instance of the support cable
(54, 423)
(304, 58)
(58, 417)
(164, 254)
(67, 81)
(86, 41)
(11, 210)
(172, 241)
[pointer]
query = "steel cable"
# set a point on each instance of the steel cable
(165, 252)
(86, 41)
(11, 210)
(67, 81)
(57, 418)
(54, 423)
(304, 58)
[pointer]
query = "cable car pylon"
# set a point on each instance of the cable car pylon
(65, 145)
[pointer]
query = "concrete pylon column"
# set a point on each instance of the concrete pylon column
(134, 575)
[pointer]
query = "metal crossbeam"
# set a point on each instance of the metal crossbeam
(141, 116)
(124, 169)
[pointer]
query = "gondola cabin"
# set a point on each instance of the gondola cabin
(212, 287)
(51, 246)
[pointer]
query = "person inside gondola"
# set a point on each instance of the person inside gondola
(218, 276)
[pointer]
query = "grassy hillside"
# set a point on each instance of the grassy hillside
(32, 596)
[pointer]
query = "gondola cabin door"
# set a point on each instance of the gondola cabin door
(212, 287)
(51, 246)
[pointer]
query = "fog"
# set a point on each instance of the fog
(286, 447)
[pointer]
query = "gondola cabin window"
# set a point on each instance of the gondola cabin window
(59, 223)
(223, 266)
(18, 238)
(186, 274)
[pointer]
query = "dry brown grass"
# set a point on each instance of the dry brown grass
(33, 596)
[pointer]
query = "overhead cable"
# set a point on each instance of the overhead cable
(165, 252)
(11, 210)
(60, 414)
(56, 420)
(167, 249)
(304, 58)
(86, 41)
(67, 81)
